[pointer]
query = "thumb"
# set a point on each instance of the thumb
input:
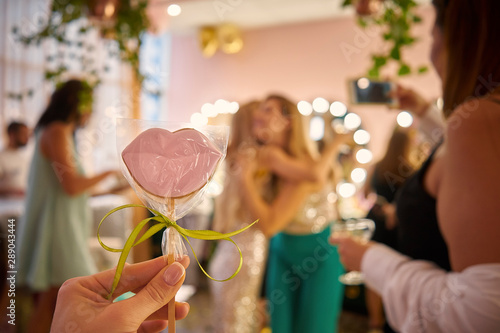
(157, 293)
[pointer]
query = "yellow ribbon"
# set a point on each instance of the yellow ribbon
(161, 222)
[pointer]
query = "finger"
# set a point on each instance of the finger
(156, 294)
(152, 326)
(181, 311)
(133, 276)
(334, 240)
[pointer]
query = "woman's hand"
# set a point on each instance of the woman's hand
(82, 304)
(409, 99)
(351, 251)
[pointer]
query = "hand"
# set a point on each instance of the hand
(410, 100)
(82, 304)
(351, 251)
(343, 139)
(389, 211)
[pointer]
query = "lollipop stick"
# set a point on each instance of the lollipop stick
(170, 260)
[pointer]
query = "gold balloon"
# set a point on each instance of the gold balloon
(230, 39)
(226, 36)
(208, 41)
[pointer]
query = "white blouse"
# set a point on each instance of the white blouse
(419, 297)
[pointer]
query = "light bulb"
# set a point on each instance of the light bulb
(404, 119)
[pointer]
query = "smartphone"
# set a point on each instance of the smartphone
(365, 91)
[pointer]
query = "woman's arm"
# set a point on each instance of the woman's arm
(419, 297)
(273, 217)
(56, 145)
(295, 169)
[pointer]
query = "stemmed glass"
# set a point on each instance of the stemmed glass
(360, 229)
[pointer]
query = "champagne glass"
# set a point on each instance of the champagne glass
(360, 229)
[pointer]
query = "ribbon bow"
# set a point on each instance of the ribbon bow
(161, 222)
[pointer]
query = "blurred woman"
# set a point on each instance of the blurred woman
(55, 228)
(460, 180)
(303, 291)
(236, 307)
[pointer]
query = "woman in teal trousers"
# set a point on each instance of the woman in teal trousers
(303, 291)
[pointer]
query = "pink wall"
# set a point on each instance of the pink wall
(303, 61)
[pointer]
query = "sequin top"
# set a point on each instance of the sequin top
(317, 212)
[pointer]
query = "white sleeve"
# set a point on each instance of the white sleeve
(432, 124)
(419, 297)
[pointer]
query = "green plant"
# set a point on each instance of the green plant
(125, 28)
(396, 18)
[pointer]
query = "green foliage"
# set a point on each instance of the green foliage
(395, 18)
(126, 29)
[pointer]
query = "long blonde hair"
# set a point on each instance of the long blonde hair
(300, 144)
(227, 206)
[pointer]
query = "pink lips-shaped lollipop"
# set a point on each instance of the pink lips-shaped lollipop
(171, 164)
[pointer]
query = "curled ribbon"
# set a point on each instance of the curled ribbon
(161, 222)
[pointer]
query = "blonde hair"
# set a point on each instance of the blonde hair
(227, 206)
(300, 144)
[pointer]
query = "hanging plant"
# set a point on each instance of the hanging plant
(122, 21)
(396, 18)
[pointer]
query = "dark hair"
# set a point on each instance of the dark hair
(66, 102)
(15, 126)
(396, 155)
(440, 6)
(471, 39)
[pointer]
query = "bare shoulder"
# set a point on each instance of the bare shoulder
(469, 184)
(56, 130)
(473, 126)
(54, 135)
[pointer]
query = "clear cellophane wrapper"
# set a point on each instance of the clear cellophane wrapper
(162, 167)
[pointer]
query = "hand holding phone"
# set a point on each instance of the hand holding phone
(365, 91)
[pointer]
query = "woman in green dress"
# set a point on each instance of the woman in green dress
(53, 233)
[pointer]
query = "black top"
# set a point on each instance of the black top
(419, 234)
(383, 187)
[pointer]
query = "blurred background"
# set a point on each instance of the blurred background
(197, 61)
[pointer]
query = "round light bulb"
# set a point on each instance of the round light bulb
(320, 105)
(199, 119)
(221, 105)
(358, 175)
(233, 107)
(364, 156)
(174, 10)
(361, 137)
(338, 109)
(352, 121)
(208, 110)
(305, 108)
(317, 128)
(404, 119)
(346, 190)
(363, 83)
